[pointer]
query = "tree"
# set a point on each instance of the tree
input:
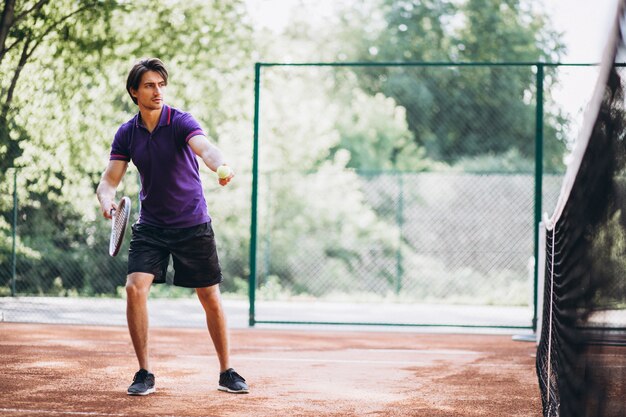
(453, 112)
(404, 117)
(317, 230)
(465, 111)
(24, 28)
(66, 101)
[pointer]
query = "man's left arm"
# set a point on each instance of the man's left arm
(210, 155)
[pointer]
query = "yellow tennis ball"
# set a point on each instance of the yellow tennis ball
(223, 171)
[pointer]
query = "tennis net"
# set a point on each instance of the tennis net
(581, 356)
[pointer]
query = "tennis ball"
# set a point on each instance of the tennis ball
(223, 171)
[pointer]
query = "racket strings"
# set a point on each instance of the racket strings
(120, 218)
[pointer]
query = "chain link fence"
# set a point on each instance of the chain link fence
(373, 186)
(55, 245)
(407, 183)
(418, 237)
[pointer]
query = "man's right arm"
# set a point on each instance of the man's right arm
(111, 178)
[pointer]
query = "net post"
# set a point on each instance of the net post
(254, 202)
(541, 272)
(14, 236)
(538, 183)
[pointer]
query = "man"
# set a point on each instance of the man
(164, 143)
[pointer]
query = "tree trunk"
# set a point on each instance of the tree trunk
(6, 21)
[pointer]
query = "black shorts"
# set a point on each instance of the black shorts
(193, 249)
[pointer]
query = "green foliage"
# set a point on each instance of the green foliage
(451, 112)
(460, 112)
(65, 96)
(164, 291)
(375, 133)
(313, 206)
(509, 30)
(39, 36)
(510, 161)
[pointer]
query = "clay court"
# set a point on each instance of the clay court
(69, 370)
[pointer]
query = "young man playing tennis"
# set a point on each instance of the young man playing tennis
(163, 143)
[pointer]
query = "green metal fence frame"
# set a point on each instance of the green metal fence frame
(538, 188)
(14, 236)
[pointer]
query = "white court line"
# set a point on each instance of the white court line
(421, 351)
(64, 342)
(315, 360)
(366, 362)
(346, 361)
(71, 413)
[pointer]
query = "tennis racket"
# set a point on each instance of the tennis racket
(118, 225)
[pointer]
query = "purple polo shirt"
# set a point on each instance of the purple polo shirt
(171, 191)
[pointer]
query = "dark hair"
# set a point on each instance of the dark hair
(140, 68)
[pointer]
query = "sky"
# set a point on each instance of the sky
(584, 24)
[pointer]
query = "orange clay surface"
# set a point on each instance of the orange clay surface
(60, 370)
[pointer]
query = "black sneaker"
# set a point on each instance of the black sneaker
(231, 381)
(143, 383)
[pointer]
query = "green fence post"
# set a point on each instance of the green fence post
(255, 185)
(14, 233)
(267, 244)
(400, 222)
(538, 185)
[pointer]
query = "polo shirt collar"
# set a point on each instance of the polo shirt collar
(165, 119)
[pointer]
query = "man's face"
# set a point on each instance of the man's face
(151, 90)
